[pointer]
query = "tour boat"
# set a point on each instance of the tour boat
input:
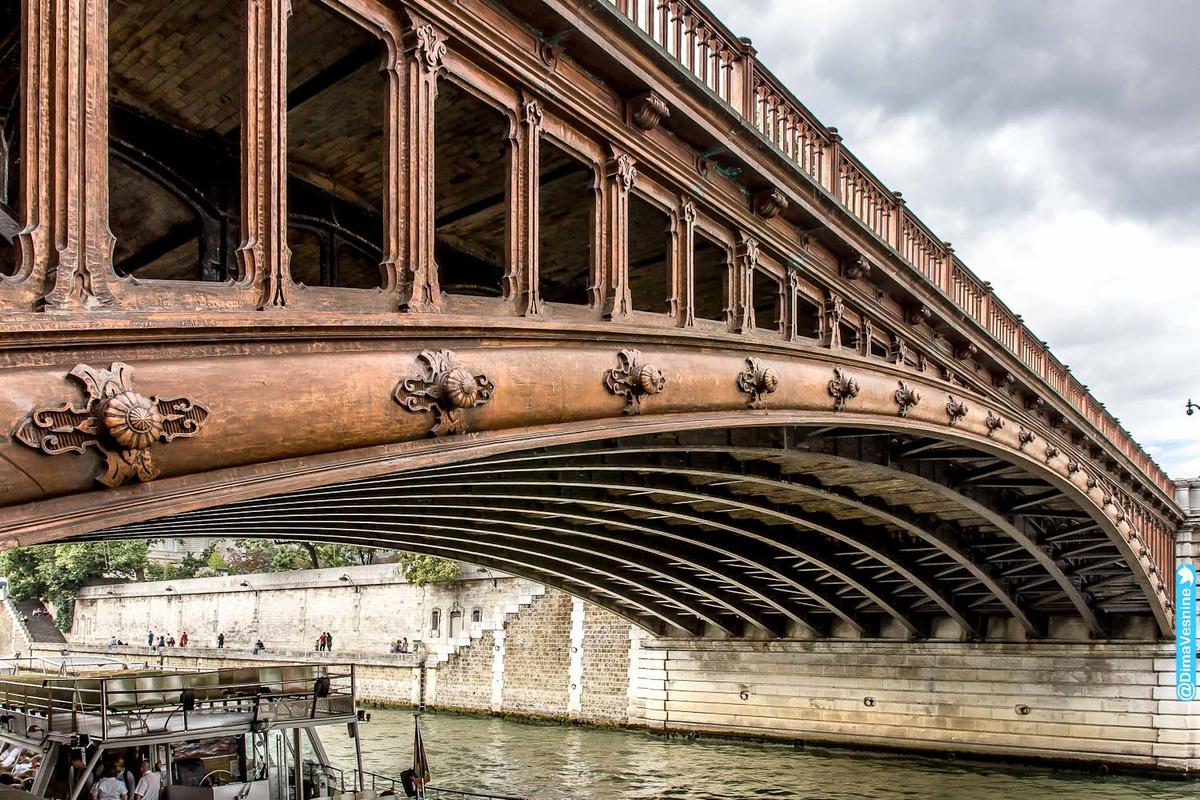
(235, 733)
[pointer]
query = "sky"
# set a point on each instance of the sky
(1056, 144)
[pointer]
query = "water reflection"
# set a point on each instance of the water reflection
(551, 762)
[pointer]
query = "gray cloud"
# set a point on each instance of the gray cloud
(1115, 80)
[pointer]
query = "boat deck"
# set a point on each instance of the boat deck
(137, 704)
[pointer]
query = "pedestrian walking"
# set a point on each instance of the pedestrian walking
(328, 641)
(221, 641)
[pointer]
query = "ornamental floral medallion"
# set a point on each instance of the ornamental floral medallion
(757, 381)
(116, 420)
(955, 409)
(906, 397)
(842, 388)
(993, 423)
(446, 388)
(633, 379)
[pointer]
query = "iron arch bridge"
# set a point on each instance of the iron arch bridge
(783, 495)
(576, 291)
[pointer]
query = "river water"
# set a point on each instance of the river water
(553, 762)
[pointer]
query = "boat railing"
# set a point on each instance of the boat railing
(143, 702)
(355, 784)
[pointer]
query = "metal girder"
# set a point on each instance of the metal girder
(501, 558)
(480, 537)
(875, 548)
(898, 517)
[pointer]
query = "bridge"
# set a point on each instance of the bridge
(640, 327)
(577, 291)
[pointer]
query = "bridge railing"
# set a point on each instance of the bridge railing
(693, 36)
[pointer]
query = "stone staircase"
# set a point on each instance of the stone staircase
(473, 633)
(30, 629)
(39, 624)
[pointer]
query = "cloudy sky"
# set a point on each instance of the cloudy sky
(1056, 144)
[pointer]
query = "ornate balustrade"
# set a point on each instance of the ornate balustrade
(693, 37)
(681, 26)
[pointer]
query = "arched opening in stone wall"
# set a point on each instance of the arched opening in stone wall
(336, 96)
(649, 250)
(471, 168)
(435, 623)
(12, 215)
(565, 213)
(710, 271)
(174, 120)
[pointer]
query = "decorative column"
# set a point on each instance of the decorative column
(522, 276)
(424, 51)
(831, 321)
(741, 283)
(263, 255)
(65, 97)
(683, 299)
(791, 308)
(21, 290)
(620, 176)
(393, 163)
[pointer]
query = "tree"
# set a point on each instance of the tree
(55, 572)
(420, 570)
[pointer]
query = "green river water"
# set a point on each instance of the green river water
(559, 761)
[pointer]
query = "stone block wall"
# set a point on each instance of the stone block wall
(1112, 703)
(537, 658)
(464, 682)
(605, 693)
(366, 608)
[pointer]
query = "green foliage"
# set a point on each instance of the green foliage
(421, 570)
(55, 572)
(260, 555)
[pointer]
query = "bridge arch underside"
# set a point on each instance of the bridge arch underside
(763, 532)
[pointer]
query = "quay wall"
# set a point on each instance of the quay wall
(1111, 703)
(545, 654)
(365, 608)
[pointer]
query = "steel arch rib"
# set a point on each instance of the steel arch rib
(700, 613)
(613, 551)
(825, 529)
(763, 594)
(888, 514)
(847, 574)
(472, 548)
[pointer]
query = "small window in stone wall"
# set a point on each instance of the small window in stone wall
(476, 615)
(435, 622)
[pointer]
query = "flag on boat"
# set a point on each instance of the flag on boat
(420, 760)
